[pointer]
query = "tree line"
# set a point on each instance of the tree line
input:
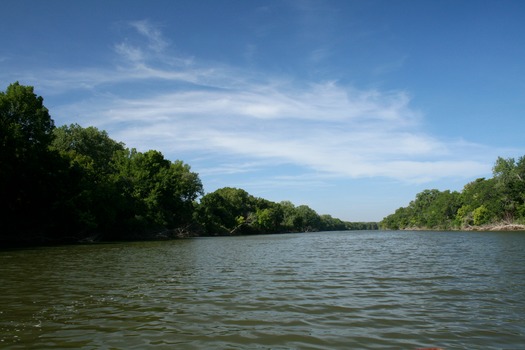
(499, 200)
(73, 183)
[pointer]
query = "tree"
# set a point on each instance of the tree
(441, 213)
(431, 209)
(476, 194)
(226, 211)
(482, 201)
(92, 201)
(306, 219)
(300, 219)
(510, 182)
(157, 194)
(481, 215)
(289, 215)
(89, 147)
(329, 223)
(30, 174)
(26, 128)
(268, 216)
(401, 219)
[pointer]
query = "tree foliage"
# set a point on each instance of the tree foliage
(156, 192)
(92, 201)
(29, 184)
(481, 202)
(232, 211)
(89, 148)
(509, 175)
(226, 211)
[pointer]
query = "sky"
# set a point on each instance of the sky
(351, 107)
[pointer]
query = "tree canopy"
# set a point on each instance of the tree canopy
(28, 180)
(229, 211)
(500, 199)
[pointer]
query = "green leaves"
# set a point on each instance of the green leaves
(90, 148)
(25, 124)
(28, 180)
(159, 193)
(482, 201)
(510, 184)
(225, 211)
(229, 211)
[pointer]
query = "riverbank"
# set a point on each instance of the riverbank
(502, 227)
(497, 227)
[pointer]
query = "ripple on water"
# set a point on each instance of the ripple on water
(367, 290)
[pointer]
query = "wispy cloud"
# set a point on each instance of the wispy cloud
(391, 66)
(245, 121)
(322, 127)
(151, 45)
(130, 52)
(156, 40)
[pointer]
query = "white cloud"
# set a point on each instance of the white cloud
(135, 50)
(323, 127)
(242, 118)
(131, 53)
(149, 30)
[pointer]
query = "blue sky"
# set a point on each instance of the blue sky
(351, 107)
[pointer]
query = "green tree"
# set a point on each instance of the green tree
(481, 215)
(89, 147)
(510, 182)
(401, 219)
(30, 174)
(26, 128)
(289, 215)
(482, 201)
(226, 211)
(441, 213)
(92, 204)
(431, 209)
(479, 193)
(157, 194)
(300, 219)
(268, 216)
(329, 223)
(306, 219)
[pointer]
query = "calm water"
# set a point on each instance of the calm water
(357, 290)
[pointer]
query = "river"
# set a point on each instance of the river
(326, 290)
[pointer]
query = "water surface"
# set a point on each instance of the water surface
(339, 290)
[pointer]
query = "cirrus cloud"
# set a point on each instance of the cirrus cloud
(189, 109)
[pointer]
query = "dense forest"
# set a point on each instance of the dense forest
(73, 184)
(482, 204)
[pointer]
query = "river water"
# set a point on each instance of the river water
(338, 290)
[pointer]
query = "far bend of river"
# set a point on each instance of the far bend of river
(339, 290)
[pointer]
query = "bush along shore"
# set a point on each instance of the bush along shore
(75, 184)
